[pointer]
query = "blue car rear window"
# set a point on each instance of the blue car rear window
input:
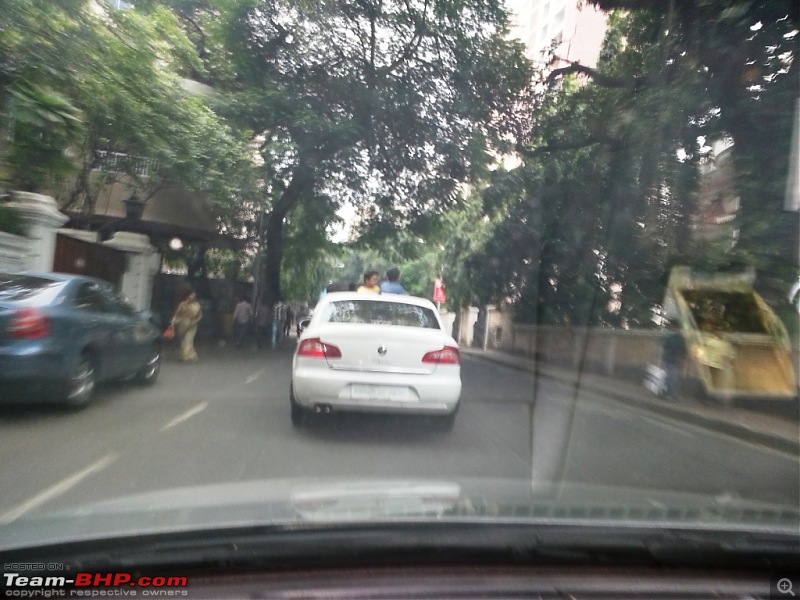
(14, 288)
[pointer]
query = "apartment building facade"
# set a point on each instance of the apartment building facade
(574, 29)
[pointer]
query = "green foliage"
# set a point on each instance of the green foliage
(385, 105)
(37, 119)
(310, 255)
(223, 263)
(603, 205)
(450, 241)
(137, 106)
(77, 83)
(43, 125)
(11, 221)
(388, 116)
(745, 56)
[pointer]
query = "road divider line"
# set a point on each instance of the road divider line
(187, 415)
(58, 489)
(253, 377)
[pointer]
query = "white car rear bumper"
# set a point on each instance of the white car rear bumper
(365, 391)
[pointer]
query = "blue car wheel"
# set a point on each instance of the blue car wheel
(81, 383)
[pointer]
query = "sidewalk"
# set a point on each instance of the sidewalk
(777, 431)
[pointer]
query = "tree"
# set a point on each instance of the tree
(84, 88)
(602, 204)
(136, 108)
(602, 207)
(388, 105)
(745, 52)
(312, 257)
(38, 121)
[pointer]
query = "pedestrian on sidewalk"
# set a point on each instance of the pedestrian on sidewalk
(287, 323)
(673, 354)
(278, 319)
(242, 320)
(186, 318)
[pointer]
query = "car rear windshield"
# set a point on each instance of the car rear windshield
(16, 288)
(380, 313)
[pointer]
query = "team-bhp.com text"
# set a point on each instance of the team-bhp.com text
(92, 585)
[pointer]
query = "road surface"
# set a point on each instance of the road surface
(226, 419)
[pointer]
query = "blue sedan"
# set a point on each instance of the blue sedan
(61, 334)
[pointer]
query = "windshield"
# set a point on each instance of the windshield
(383, 261)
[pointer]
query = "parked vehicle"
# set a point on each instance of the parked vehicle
(373, 353)
(737, 345)
(61, 334)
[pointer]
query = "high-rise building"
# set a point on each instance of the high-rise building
(576, 28)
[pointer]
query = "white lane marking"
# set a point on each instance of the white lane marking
(187, 415)
(56, 490)
(253, 377)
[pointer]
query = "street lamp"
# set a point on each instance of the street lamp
(134, 208)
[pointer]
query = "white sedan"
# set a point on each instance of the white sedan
(384, 353)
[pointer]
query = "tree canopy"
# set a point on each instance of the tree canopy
(81, 86)
(606, 198)
(387, 105)
(397, 107)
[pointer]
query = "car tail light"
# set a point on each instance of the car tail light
(28, 324)
(446, 356)
(316, 348)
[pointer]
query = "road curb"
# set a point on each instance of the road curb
(663, 407)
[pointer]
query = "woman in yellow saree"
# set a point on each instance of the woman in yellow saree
(186, 318)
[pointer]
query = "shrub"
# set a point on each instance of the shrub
(11, 221)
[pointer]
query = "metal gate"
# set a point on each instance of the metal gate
(79, 257)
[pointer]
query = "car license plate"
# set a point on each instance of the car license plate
(383, 393)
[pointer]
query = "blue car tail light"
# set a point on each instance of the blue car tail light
(29, 324)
